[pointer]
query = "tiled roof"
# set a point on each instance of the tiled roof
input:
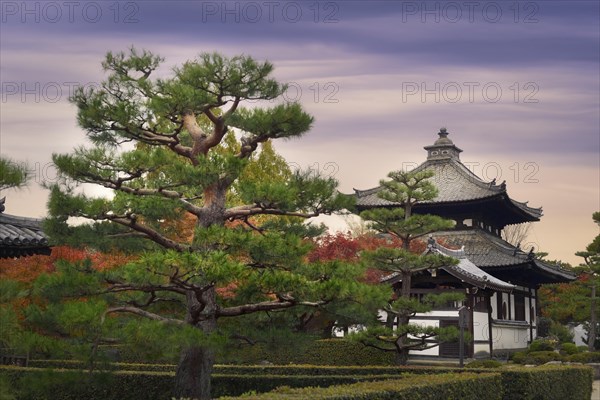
(467, 271)
(488, 251)
(455, 183)
(20, 236)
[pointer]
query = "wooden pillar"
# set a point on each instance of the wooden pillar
(530, 317)
(470, 305)
(489, 309)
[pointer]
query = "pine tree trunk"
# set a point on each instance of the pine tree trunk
(403, 320)
(192, 379)
(592, 330)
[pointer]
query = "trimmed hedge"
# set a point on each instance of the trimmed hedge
(321, 352)
(42, 384)
(255, 369)
(518, 383)
(548, 383)
(465, 386)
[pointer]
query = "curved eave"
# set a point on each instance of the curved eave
(495, 284)
(534, 271)
(24, 251)
(512, 212)
(21, 236)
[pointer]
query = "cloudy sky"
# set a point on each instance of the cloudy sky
(515, 83)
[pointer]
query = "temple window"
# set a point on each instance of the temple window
(519, 307)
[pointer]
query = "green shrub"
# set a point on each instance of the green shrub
(569, 348)
(587, 357)
(561, 332)
(548, 383)
(465, 386)
(542, 345)
(518, 357)
(542, 357)
(484, 364)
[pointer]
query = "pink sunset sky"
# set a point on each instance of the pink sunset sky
(517, 84)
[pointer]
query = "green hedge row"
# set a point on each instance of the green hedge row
(254, 369)
(518, 383)
(42, 384)
(542, 357)
(320, 352)
(466, 386)
(548, 383)
(316, 352)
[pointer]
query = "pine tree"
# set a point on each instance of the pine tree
(406, 189)
(161, 147)
(591, 257)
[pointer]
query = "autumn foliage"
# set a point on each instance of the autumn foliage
(346, 247)
(27, 269)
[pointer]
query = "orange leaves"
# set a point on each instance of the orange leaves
(27, 269)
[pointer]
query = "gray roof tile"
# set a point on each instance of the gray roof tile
(21, 236)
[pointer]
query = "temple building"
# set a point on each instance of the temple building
(21, 236)
(500, 281)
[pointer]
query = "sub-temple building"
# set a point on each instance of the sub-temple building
(500, 280)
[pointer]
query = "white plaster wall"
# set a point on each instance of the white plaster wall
(494, 303)
(444, 313)
(426, 322)
(512, 306)
(481, 348)
(480, 326)
(509, 337)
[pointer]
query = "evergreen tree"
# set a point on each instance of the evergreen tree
(591, 257)
(161, 147)
(12, 175)
(406, 189)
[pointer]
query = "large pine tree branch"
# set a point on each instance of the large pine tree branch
(367, 344)
(266, 306)
(162, 192)
(150, 233)
(154, 138)
(241, 212)
(126, 287)
(202, 141)
(145, 314)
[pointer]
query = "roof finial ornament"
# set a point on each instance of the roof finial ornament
(443, 132)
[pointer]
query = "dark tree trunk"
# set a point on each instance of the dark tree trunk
(403, 320)
(192, 379)
(592, 331)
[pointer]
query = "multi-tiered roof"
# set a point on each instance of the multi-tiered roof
(481, 210)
